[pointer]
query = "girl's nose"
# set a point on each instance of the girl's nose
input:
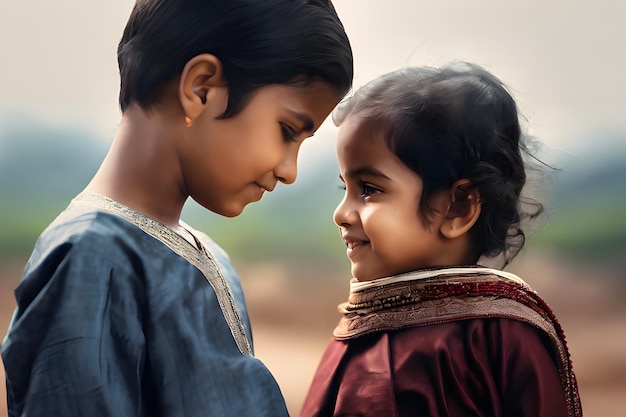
(344, 214)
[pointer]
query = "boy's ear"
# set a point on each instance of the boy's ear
(463, 210)
(202, 84)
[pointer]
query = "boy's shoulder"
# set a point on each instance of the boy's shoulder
(86, 229)
(86, 235)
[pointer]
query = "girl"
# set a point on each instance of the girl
(432, 165)
(123, 309)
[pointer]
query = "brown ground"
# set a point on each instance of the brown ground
(292, 322)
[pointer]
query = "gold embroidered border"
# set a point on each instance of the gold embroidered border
(203, 260)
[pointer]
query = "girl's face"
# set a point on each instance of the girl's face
(231, 162)
(378, 217)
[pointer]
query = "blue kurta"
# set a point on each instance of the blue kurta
(114, 319)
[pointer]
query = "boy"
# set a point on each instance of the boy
(123, 309)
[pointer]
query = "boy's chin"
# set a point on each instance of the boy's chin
(234, 212)
(230, 211)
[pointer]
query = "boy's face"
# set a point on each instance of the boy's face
(232, 162)
(378, 217)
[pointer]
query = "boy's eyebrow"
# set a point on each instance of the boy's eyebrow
(308, 122)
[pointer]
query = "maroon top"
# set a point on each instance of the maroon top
(444, 363)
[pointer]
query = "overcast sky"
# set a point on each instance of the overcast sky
(564, 60)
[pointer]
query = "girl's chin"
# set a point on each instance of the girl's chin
(362, 275)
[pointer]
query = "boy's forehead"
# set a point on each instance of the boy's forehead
(320, 90)
(315, 100)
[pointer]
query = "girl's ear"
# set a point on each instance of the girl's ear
(463, 210)
(202, 85)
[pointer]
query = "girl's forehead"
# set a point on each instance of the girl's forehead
(357, 144)
(359, 131)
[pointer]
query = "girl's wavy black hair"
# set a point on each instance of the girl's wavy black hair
(455, 122)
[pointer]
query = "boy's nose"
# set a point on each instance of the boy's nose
(287, 171)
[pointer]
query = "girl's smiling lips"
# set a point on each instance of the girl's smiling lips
(353, 243)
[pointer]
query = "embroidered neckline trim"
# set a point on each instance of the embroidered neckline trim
(357, 286)
(201, 259)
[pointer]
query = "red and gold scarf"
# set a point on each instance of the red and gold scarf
(443, 295)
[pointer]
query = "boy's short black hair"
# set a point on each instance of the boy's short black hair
(259, 42)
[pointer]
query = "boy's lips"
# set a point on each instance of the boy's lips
(266, 187)
(263, 188)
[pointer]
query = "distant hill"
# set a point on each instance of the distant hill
(41, 163)
(588, 208)
(41, 168)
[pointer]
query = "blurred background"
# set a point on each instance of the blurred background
(563, 60)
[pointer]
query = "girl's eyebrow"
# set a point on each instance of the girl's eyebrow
(308, 122)
(369, 171)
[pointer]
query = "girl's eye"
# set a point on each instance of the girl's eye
(367, 190)
(288, 133)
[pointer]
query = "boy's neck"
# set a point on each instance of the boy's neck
(141, 169)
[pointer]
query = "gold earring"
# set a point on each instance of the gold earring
(188, 121)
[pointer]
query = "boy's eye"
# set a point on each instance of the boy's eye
(288, 132)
